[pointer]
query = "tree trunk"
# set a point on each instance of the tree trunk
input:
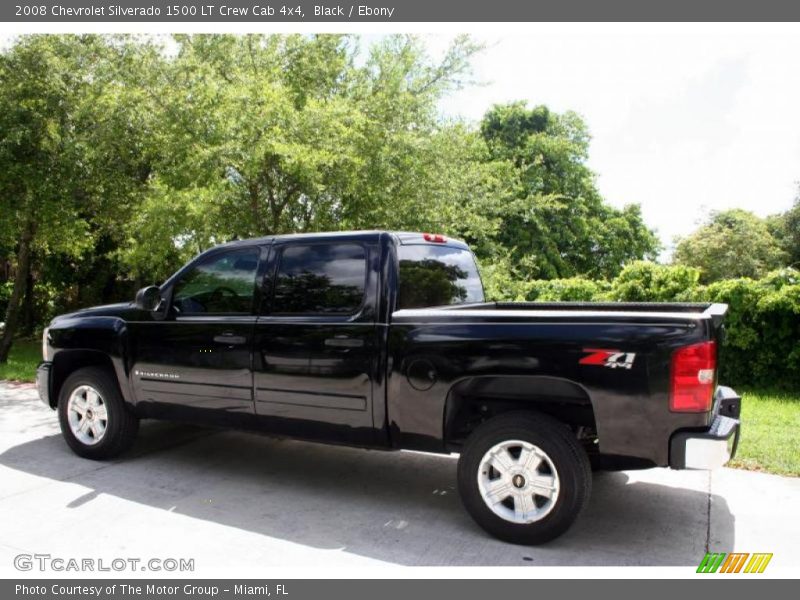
(26, 320)
(15, 301)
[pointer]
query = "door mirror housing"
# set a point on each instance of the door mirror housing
(148, 298)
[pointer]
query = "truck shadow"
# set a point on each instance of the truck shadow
(396, 507)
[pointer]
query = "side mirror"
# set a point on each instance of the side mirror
(148, 298)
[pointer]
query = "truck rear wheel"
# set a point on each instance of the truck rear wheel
(94, 420)
(524, 478)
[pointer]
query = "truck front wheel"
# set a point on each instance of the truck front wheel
(94, 420)
(524, 477)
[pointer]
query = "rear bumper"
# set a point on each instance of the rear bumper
(714, 447)
(43, 382)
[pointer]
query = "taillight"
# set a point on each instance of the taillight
(693, 370)
(434, 237)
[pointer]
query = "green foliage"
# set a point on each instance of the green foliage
(499, 278)
(22, 362)
(5, 294)
(733, 243)
(572, 289)
(763, 326)
(273, 134)
(45, 303)
(61, 115)
(554, 222)
(643, 281)
(71, 159)
(502, 283)
(785, 228)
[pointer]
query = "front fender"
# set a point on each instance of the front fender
(76, 342)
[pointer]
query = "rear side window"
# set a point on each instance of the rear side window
(320, 279)
(437, 276)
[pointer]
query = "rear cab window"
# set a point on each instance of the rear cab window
(437, 275)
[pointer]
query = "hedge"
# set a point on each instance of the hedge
(762, 343)
(761, 346)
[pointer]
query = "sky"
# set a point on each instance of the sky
(682, 123)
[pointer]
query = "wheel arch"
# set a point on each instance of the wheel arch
(66, 362)
(473, 400)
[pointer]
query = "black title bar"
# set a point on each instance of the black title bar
(259, 11)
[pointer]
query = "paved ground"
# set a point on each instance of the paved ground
(227, 498)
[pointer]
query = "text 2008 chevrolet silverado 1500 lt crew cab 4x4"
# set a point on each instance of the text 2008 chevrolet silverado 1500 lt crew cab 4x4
(384, 340)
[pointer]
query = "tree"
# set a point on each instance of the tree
(66, 156)
(556, 223)
(272, 134)
(785, 228)
(732, 243)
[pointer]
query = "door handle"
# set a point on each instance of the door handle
(230, 339)
(341, 341)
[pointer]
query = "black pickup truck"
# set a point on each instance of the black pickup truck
(384, 340)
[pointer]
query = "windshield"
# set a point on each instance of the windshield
(437, 275)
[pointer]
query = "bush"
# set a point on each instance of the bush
(643, 281)
(762, 342)
(45, 307)
(501, 282)
(574, 289)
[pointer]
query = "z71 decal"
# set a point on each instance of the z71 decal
(614, 359)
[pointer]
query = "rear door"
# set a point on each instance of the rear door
(316, 351)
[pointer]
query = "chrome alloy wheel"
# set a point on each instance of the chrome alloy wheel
(87, 415)
(518, 481)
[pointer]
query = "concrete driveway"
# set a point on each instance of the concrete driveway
(234, 499)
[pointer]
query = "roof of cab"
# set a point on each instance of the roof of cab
(403, 237)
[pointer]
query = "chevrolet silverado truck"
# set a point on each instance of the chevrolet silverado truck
(385, 340)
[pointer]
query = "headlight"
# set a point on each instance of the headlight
(45, 345)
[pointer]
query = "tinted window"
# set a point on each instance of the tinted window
(437, 275)
(320, 279)
(221, 284)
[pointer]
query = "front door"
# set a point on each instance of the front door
(196, 363)
(316, 350)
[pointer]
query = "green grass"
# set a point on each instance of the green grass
(21, 365)
(770, 420)
(769, 441)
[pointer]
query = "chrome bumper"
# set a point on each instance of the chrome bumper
(714, 447)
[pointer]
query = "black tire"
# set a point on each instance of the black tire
(121, 424)
(566, 455)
